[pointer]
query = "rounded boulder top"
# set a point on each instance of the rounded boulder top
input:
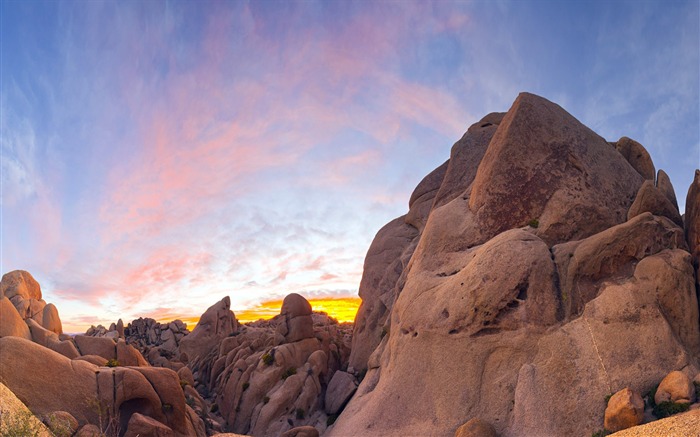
(20, 282)
(295, 305)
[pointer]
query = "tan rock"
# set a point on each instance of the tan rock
(340, 389)
(637, 156)
(11, 323)
(185, 374)
(93, 359)
(16, 419)
(651, 199)
(296, 323)
(20, 283)
(51, 320)
(41, 335)
(421, 201)
(544, 164)
(476, 428)
(582, 265)
(127, 355)
(301, 431)
(120, 328)
(101, 346)
(680, 425)
(663, 183)
(625, 409)
(465, 157)
(675, 387)
(89, 430)
(61, 423)
(386, 258)
(144, 426)
(217, 322)
(65, 347)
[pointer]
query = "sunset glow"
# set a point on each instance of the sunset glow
(341, 309)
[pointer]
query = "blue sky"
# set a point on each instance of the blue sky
(157, 156)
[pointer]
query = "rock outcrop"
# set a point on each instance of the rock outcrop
(217, 322)
(49, 382)
(269, 377)
(25, 294)
(530, 291)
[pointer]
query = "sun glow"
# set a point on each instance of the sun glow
(342, 309)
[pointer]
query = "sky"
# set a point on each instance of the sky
(160, 155)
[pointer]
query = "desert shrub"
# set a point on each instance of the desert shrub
(112, 363)
(167, 407)
(190, 401)
(214, 408)
(601, 433)
(300, 413)
(289, 372)
(649, 397)
(607, 398)
(534, 223)
(183, 384)
(268, 359)
(665, 409)
(245, 386)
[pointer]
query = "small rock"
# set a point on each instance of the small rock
(476, 428)
(61, 423)
(675, 387)
(625, 410)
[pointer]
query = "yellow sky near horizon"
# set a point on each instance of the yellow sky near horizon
(341, 309)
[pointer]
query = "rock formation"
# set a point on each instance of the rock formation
(545, 275)
(216, 323)
(268, 377)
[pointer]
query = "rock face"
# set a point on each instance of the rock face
(11, 323)
(270, 376)
(530, 292)
(216, 323)
(653, 200)
(692, 223)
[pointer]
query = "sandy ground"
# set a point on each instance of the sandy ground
(680, 425)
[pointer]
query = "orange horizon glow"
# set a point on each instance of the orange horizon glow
(342, 309)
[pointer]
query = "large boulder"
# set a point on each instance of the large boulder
(542, 164)
(653, 200)
(675, 387)
(11, 323)
(215, 324)
(340, 389)
(50, 319)
(529, 296)
(20, 283)
(637, 156)
(49, 382)
(296, 322)
(663, 183)
(625, 409)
